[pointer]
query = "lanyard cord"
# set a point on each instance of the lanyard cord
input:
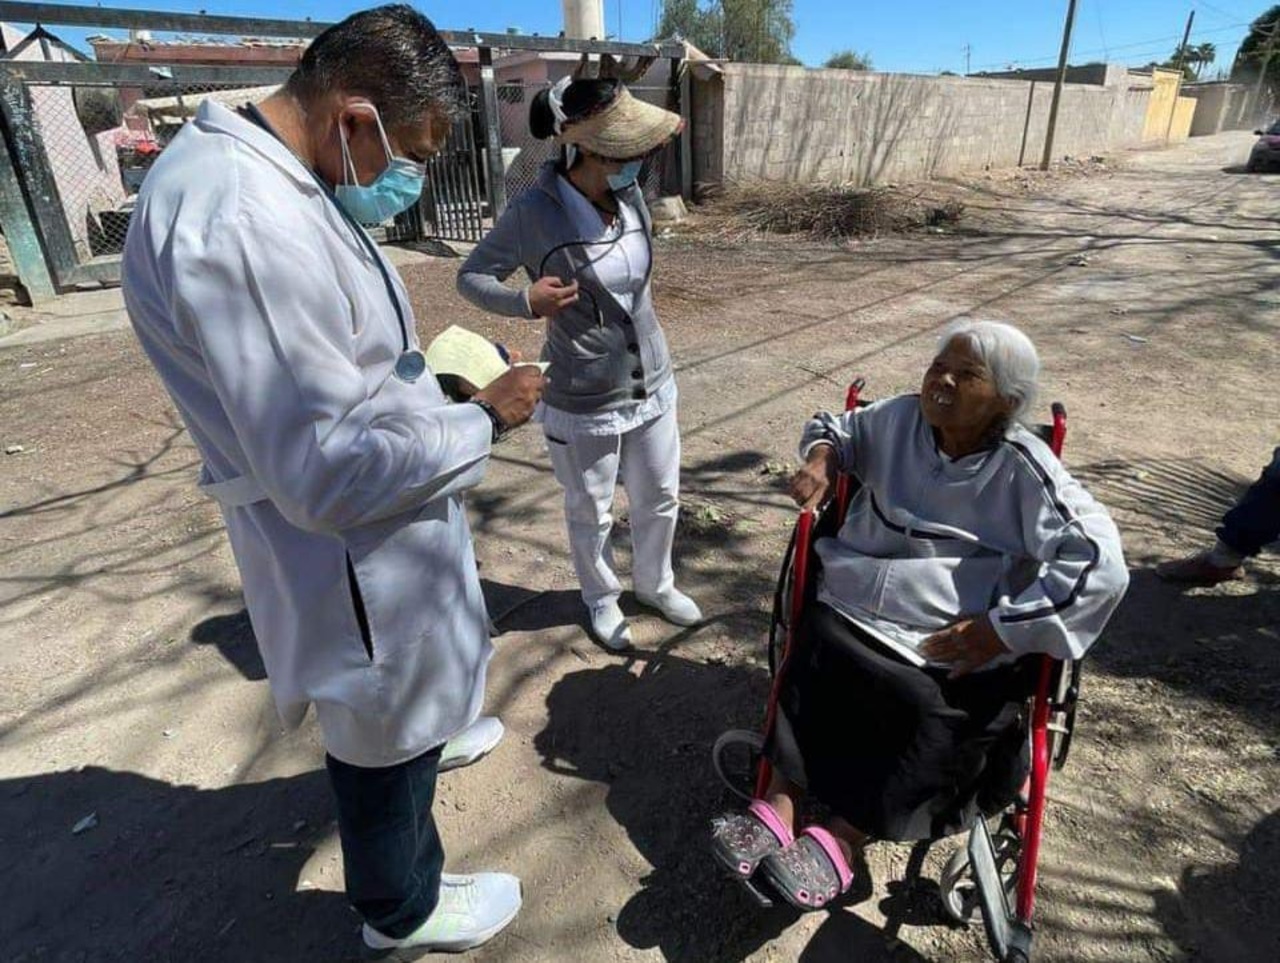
(251, 112)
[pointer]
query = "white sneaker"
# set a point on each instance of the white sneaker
(472, 743)
(676, 607)
(472, 910)
(609, 626)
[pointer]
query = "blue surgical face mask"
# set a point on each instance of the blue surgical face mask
(396, 189)
(626, 176)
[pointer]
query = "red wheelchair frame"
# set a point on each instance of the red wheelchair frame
(1052, 719)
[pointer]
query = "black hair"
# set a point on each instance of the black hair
(582, 98)
(393, 55)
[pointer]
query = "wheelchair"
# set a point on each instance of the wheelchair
(994, 874)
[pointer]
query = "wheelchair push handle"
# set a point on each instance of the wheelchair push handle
(1058, 435)
(853, 395)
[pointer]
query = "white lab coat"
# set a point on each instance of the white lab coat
(272, 329)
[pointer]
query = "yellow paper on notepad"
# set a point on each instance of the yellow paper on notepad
(467, 355)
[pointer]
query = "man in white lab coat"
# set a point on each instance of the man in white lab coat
(288, 345)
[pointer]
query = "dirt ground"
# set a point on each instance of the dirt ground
(131, 690)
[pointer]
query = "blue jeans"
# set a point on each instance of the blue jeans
(391, 851)
(1255, 519)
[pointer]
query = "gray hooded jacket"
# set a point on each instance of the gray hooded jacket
(929, 540)
(601, 357)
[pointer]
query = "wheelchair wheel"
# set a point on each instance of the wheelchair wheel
(959, 890)
(735, 757)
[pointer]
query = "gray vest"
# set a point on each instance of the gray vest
(601, 356)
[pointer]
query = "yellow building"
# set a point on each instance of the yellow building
(1166, 104)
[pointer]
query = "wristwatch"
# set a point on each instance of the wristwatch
(500, 427)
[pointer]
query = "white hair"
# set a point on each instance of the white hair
(1007, 353)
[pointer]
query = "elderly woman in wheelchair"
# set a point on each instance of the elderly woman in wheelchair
(966, 546)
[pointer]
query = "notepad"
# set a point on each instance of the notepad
(467, 355)
(894, 645)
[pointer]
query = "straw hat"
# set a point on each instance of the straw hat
(626, 128)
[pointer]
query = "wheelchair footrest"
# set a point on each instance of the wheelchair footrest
(1001, 925)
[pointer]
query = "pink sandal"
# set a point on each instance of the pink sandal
(809, 873)
(740, 840)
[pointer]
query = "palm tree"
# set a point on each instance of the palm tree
(1205, 54)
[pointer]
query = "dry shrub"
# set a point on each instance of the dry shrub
(823, 212)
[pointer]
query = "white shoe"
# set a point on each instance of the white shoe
(676, 607)
(472, 743)
(472, 910)
(609, 626)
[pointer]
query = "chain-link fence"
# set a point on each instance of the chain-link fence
(100, 141)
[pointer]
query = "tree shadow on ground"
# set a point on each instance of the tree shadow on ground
(1227, 912)
(167, 872)
(645, 730)
(1219, 644)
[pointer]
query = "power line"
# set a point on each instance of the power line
(1082, 53)
(1219, 11)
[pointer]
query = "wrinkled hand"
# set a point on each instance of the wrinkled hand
(965, 646)
(810, 485)
(515, 394)
(549, 296)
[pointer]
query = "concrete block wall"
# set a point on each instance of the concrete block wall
(707, 133)
(1219, 107)
(835, 126)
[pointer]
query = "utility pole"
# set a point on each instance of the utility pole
(1182, 56)
(968, 57)
(1057, 86)
(1266, 62)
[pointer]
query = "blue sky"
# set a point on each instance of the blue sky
(908, 35)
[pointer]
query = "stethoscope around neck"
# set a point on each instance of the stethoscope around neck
(608, 243)
(411, 363)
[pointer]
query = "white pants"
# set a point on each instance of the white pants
(588, 467)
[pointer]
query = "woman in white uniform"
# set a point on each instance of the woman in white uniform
(583, 236)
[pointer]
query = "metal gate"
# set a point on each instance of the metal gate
(453, 204)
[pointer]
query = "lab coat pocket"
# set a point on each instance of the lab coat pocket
(357, 605)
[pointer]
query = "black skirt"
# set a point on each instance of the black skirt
(899, 751)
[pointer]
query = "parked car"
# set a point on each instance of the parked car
(1266, 152)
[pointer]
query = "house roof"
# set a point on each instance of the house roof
(175, 110)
